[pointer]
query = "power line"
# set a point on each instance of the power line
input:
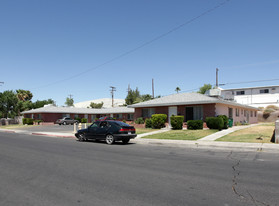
(140, 46)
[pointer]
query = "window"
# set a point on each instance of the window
(230, 113)
(251, 113)
(241, 111)
(240, 92)
(76, 115)
(255, 113)
(118, 116)
(237, 112)
(130, 116)
(264, 91)
(148, 112)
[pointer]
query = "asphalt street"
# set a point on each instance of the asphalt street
(39, 170)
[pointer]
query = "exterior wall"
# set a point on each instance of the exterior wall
(243, 113)
(208, 110)
(253, 97)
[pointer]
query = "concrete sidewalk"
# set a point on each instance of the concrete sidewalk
(224, 132)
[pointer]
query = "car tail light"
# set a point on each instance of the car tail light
(127, 130)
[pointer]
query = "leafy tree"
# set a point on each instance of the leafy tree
(204, 88)
(96, 105)
(145, 97)
(133, 97)
(177, 89)
(41, 103)
(8, 104)
(69, 102)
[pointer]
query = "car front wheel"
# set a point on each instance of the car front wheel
(110, 139)
(64, 123)
(81, 137)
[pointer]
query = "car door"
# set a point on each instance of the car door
(102, 130)
(92, 130)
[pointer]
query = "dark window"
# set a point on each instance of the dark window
(148, 112)
(264, 91)
(230, 113)
(194, 113)
(240, 92)
(122, 124)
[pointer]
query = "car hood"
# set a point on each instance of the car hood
(82, 130)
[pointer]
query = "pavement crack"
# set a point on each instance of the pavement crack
(236, 174)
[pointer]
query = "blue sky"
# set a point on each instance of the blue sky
(55, 48)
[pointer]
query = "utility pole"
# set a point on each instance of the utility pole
(152, 88)
(217, 78)
(70, 95)
(113, 89)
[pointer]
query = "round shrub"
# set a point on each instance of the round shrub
(215, 123)
(194, 124)
(83, 120)
(158, 121)
(139, 120)
(177, 122)
(148, 123)
(226, 121)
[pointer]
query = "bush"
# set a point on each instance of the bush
(194, 124)
(124, 120)
(158, 121)
(177, 122)
(38, 121)
(83, 120)
(28, 121)
(215, 123)
(78, 119)
(148, 123)
(225, 120)
(139, 120)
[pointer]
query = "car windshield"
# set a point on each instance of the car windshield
(122, 124)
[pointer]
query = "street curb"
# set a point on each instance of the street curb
(53, 135)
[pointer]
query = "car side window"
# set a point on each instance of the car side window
(94, 125)
(103, 124)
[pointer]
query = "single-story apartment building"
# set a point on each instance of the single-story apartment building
(195, 106)
(50, 113)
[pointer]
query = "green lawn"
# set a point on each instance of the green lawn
(182, 134)
(256, 134)
(144, 130)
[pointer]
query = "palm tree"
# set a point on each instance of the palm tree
(177, 89)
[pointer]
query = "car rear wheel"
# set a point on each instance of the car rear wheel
(125, 141)
(81, 137)
(110, 139)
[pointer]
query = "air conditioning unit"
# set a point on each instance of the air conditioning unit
(214, 92)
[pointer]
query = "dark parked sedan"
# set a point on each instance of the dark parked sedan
(107, 130)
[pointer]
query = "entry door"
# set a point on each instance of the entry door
(172, 111)
(189, 113)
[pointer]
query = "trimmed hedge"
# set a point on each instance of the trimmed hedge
(78, 119)
(139, 120)
(148, 123)
(158, 121)
(215, 123)
(28, 121)
(83, 120)
(226, 121)
(177, 122)
(194, 124)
